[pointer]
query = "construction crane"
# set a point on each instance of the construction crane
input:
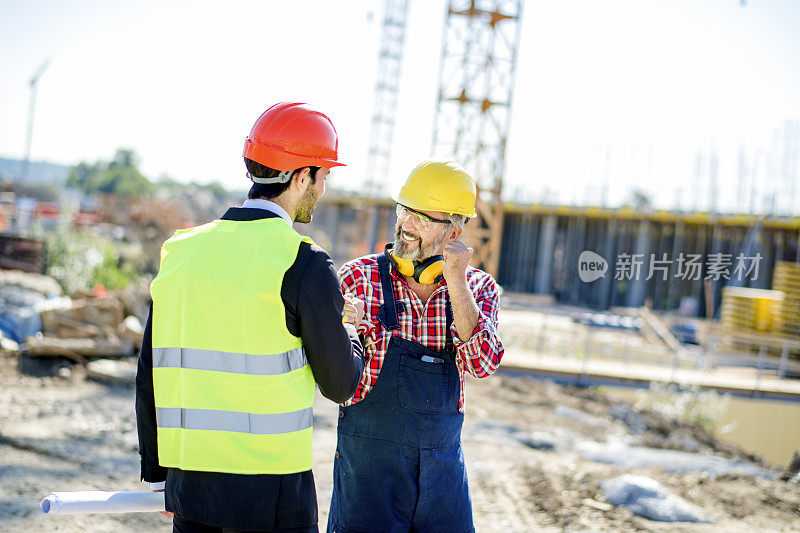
(29, 136)
(473, 111)
(387, 87)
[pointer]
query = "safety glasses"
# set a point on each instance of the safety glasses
(421, 218)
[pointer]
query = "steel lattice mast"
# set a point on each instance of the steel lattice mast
(387, 86)
(473, 111)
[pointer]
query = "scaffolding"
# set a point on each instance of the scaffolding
(473, 110)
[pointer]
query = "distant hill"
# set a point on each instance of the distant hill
(38, 172)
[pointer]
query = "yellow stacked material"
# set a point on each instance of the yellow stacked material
(786, 279)
(750, 310)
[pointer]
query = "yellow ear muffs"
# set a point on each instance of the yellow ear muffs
(404, 266)
(427, 271)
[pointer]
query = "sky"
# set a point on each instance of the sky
(610, 97)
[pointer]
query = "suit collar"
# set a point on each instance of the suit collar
(244, 214)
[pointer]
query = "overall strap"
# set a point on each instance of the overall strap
(388, 313)
(449, 346)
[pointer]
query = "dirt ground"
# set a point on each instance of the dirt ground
(61, 431)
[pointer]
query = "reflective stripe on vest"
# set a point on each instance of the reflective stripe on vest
(233, 388)
(235, 363)
(211, 420)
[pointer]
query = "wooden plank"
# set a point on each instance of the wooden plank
(55, 347)
(660, 328)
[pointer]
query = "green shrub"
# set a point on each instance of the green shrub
(693, 406)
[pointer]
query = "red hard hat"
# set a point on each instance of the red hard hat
(290, 135)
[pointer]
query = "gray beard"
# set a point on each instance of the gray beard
(401, 249)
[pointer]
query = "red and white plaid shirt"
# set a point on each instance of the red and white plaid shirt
(422, 322)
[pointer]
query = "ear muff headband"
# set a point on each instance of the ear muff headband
(426, 272)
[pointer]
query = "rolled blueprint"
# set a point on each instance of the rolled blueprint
(98, 501)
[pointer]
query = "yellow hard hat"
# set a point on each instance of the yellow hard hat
(439, 186)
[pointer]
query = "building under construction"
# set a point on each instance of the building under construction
(668, 260)
(540, 249)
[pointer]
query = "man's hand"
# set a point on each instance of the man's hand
(465, 310)
(353, 311)
(165, 513)
(456, 259)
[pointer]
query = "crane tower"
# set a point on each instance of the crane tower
(387, 86)
(473, 110)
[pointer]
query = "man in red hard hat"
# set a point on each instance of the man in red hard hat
(247, 316)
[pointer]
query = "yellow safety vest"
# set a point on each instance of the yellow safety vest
(233, 389)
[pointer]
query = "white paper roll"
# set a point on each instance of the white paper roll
(98, 501)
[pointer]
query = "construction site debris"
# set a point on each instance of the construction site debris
(92, 327)
(754, 311)
(646, 497)
(792, 469)
(7, 344)
(21, 253)
(660, 329)
(787, 280)
(99, 347)
(753, 319)
(600, 506)
(112, 371)
(36, 319)
(685, 331)
(22, 296)
(624, 456)
(39, 283)
(635, 422)
(135, 300)
(98, 312)
(605, 320)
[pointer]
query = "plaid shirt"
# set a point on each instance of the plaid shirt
(422, 322)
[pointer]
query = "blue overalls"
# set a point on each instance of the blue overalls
(399, 465)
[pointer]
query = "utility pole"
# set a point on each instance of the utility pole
(742, 167)
(699, 168)
(713, 169)
(29, 137)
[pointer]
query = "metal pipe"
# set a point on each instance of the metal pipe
(762, 355)
(784, 360)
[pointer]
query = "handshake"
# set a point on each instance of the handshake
(353, 311)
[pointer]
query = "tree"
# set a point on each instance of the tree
(124, 158)
(83, 175)
(217, 189)
(119, 176)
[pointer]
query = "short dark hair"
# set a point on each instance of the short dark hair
(270, 190)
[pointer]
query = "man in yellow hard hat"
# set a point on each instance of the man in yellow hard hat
(246, 318)
(429, 319)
